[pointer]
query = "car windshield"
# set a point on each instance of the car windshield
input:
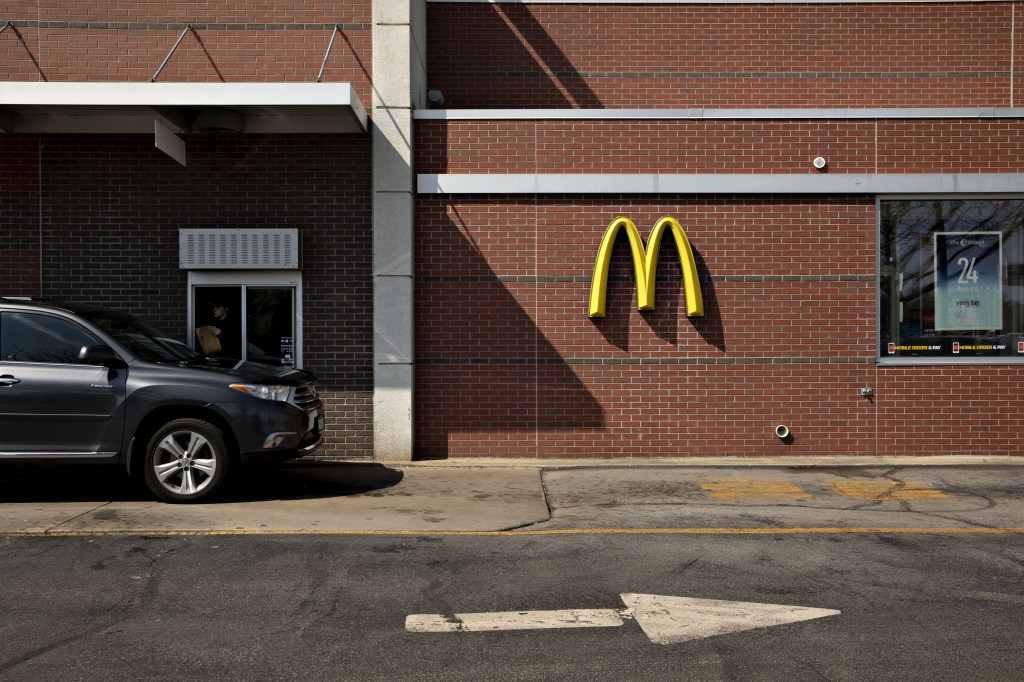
(146, 341)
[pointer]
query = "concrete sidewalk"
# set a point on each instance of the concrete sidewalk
(546, 495)
(289, 498)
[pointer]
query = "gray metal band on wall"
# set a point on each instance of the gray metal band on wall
(716, 114)
(712, 2)
(724, 183)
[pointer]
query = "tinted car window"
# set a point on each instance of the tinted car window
(144, 340)
(26, 337)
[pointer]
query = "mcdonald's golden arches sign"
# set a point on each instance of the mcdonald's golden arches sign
(645, 264)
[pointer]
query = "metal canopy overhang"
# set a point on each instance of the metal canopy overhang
(47, 107)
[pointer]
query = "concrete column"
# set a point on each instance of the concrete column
(398, 80)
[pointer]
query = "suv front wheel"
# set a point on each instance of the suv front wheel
(186, 461)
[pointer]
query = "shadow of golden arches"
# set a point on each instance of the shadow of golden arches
(645, 264)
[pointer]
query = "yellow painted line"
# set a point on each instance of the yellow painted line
(742, 488)
(796, 530)
(888, 490)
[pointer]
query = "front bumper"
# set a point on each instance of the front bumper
(285, 431)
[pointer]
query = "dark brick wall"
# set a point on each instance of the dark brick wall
(96, 217)
(106, 211)
(19, 216)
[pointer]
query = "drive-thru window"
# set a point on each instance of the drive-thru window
(244, 293)
(250, 315)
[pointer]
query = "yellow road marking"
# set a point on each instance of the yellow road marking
(796, 530)
(888, 490)
(743, 488)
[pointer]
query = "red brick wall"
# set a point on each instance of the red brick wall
(790, 296)
(57, 40)
(720, 146)
(509, 364)
(972, 410)
(773, 55)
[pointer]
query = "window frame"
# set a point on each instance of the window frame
(243, 279)
(884, 360)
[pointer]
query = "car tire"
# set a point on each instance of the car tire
(186, 461)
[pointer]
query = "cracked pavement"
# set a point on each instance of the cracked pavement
(959, 497)
(320, 498)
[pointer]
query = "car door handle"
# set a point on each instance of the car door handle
(8, 380)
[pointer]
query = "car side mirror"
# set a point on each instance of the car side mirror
(100, 354)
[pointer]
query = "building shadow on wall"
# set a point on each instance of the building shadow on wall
(526, 67)
(669, 300)
(483, 368)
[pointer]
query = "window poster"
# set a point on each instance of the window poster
(968, 281)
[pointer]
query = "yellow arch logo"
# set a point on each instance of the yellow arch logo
(645, 263)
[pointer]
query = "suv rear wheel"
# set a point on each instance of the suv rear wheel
(186, 461)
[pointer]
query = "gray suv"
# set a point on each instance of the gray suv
(84, 384)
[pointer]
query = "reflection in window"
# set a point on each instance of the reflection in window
(140, 337)
(270, 325)
(27, 337)
(952, 272)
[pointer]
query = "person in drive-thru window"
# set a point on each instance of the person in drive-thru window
(218, 332)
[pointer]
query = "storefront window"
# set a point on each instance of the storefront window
(952, 279)
(253, 320)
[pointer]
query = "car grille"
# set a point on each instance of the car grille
(307, 398)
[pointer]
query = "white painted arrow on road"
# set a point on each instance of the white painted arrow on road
(665, 620)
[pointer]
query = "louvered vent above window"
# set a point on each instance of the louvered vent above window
(239, 249)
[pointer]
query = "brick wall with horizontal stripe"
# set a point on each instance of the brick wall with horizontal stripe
(56, 40)
(510, 365)
(720, 146)
(507, 55)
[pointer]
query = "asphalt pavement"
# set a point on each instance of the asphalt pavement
(982, 495)
(591, 571)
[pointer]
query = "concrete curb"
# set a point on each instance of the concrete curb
(307, 500)
(703, 462)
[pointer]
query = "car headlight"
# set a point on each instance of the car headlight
(265, 392)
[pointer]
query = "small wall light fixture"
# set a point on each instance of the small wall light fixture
(819, 162)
